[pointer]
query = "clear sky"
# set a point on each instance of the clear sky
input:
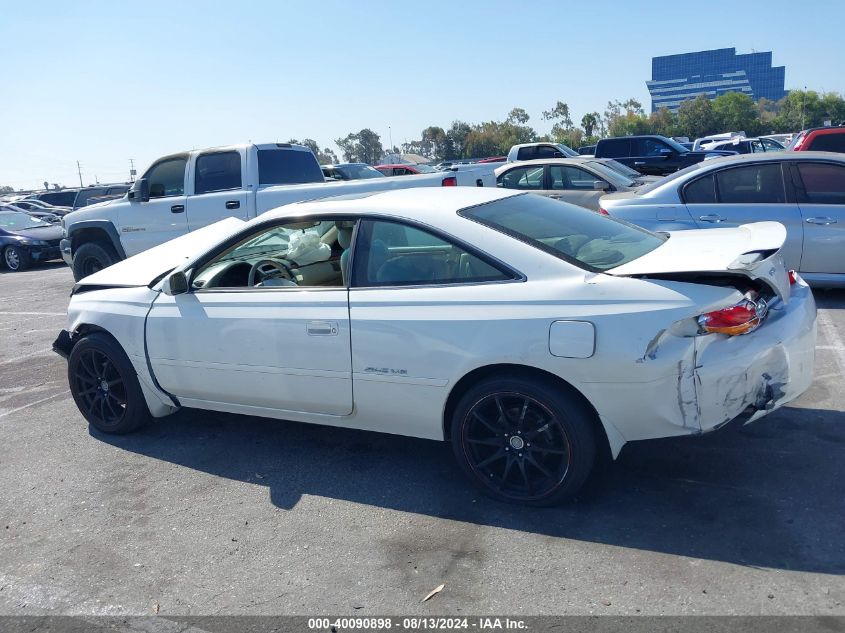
(103, 82)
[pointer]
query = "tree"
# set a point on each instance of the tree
(663, 122)
(363, 147)
(6, 189)
(590, 122)
(457, 136)
(433, 142)
(325, 156)
(735, 111)
(696, 118)
(517, 116)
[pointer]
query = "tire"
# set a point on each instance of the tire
(104, 385)
(16, 259)
(92, 257)
(497, 421)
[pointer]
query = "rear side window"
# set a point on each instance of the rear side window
(60, 198)
(752, 184)
(547, 151)
(823, 183)
(580, 236)
(701, 191)
(524, 178)
(395, 254)
(526, 153)
(218, 172)
(167, 178)
(613, 148)
(829, 143)
(287, 167)
(85, 195)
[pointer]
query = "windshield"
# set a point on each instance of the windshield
(617, 179)
(357, 172)
(674, 145)
(424, 169)
(12, 221)
(615, 165)
(575, 234)
(568, 151)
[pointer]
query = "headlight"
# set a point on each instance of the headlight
(35, 243)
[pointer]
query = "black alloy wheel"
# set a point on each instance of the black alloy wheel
(100, 388)
(524, 443)
(104, 385)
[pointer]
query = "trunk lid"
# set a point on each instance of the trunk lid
(752, 250)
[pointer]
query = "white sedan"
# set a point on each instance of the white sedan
(534, 335)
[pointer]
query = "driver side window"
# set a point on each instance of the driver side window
(309, 254)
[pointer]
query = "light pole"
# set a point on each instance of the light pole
(390, 136)
(803, 99)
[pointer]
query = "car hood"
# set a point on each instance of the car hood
(144, 268)
(47, 233)
(752, 250)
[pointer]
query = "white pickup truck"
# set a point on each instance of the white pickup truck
(183, 192)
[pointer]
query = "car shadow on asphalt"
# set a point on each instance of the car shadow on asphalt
(765, 495)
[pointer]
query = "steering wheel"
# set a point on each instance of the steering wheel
(269, 269)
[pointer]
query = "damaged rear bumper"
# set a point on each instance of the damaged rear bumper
(754, 374)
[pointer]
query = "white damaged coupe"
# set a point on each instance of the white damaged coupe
(532, 334)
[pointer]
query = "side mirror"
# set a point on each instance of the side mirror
(175, 284)
(601, 185)
(140, 191)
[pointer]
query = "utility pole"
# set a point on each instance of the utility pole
(79, 171)
(132, 171)
(803, 99)
(390, 134)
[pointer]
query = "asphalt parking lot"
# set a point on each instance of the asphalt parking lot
(207, 513)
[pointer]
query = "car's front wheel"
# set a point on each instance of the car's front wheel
(524, 441)
(104, 385)
(15, 258)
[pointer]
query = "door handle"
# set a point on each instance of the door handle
(712, 217)
(233, 204)
(639, 162)
(822, 221)
(177, 208)
(321, 328)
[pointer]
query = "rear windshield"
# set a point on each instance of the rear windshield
(575, 234)
(287, 167)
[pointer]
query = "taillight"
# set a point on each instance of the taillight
(741, 318)
(603, 211)
(793, 277)
(449, 181)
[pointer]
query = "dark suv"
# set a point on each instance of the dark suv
(820, 139)
(652, 155)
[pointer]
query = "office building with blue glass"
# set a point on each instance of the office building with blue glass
(676, 78)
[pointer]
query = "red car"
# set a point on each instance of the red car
(494, 159)
(404, 170)
(820, 139)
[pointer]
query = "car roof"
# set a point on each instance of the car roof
(769, 156)
(427, 204)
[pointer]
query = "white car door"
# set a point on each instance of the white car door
(144, 224)
(279, 344)
(217, 183)
(412, 303)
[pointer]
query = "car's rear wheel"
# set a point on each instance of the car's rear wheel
(92, 257)
(523, 441)
(15, 258)
(104, 385)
